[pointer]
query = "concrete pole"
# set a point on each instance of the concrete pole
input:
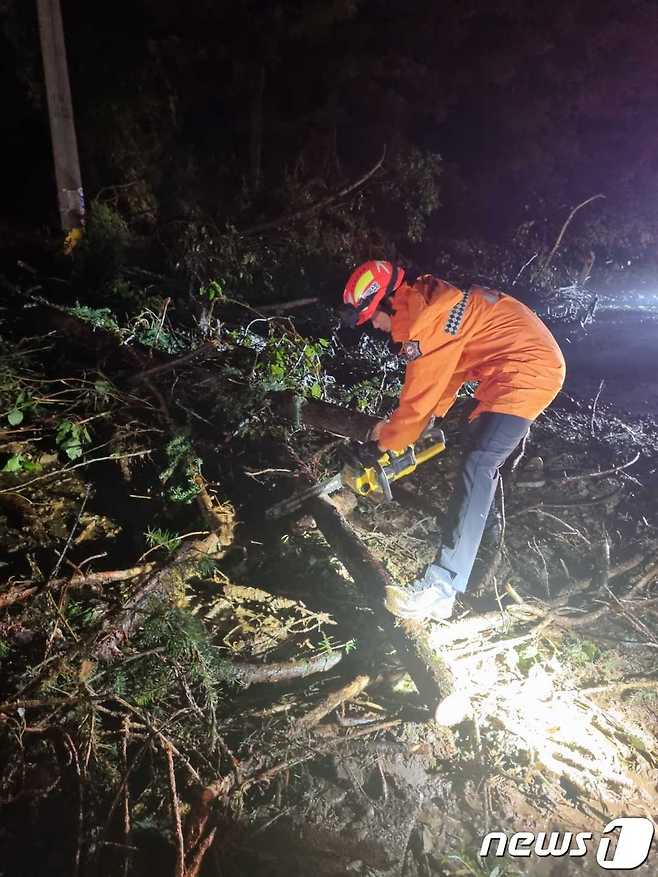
(60, 111)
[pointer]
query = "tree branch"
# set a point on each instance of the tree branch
(305, 212)
(545, 266)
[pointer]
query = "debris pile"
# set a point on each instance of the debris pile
(186, 682)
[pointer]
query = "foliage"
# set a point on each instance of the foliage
(414, 184)
(99, 256)
(21, 463)
(23, 404)
(183, 647)
(183, 467)
(149, 329)
(578, 651)
(71, 438)
(98, 318)
(220, 262)
(157, 538)
(329, 644)
(285, 360)
(213, 291)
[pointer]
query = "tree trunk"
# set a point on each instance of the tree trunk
(323, 415)
(428, 671)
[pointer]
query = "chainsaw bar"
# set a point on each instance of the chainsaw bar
(287, 506)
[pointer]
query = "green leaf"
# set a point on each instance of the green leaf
(316, 390)
(15, 416)
(63, 429)
(14, 464)
(73, 452)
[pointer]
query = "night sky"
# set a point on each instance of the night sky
(531, 106)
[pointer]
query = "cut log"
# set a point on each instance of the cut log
(323, 415)
(430, 674)
(346, 692)
(286, 671)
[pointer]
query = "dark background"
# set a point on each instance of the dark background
(497, 119)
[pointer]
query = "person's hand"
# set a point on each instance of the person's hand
(366, 453)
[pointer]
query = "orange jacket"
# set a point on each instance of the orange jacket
(450, 337)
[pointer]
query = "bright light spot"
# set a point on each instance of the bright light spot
(559, 728)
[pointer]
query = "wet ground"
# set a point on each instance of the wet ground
(620, 348)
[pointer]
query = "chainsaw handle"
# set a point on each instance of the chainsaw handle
(384, 483)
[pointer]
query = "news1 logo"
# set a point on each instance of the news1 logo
(634, 837)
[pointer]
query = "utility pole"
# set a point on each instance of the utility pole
(60, 111)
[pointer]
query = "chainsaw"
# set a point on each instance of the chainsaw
(365, 480)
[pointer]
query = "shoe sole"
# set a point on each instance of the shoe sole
(398, 604)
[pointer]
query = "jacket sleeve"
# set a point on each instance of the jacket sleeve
(428, 382)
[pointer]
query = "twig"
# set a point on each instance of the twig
(167, 302)
(178, 539)
(284, 671)
(648, 577)
(557, 243)
(131, 767)
(596, 399)
(53, 574)
(612, 471)
(319, 205)
(80, 812)
(290, 305)
(346, 692)
(199, 854)
(523, 267)
(540, 511)
(21, 591)
(200, 811)
(635, 623)
(265, 472)
(126, 793)
(63, 598)
(175, 813)
(620, 686)
(67, 469)
(208, 347)
(165, 741)
(16, 705)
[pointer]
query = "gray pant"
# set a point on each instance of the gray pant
(491, 438)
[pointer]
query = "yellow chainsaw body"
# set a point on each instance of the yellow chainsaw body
(393, 466)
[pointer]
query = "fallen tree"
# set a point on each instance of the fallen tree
(428, 671)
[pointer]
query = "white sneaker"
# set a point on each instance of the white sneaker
(426, 599)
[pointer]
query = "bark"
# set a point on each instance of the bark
(346, 692)
(323, 415)
(201, 809)
(285, 671)
(428, 671)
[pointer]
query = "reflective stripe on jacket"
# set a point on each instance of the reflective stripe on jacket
(482, 335)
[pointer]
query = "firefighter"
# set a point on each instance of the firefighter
(449, 336)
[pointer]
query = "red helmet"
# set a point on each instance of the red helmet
(367, 286)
